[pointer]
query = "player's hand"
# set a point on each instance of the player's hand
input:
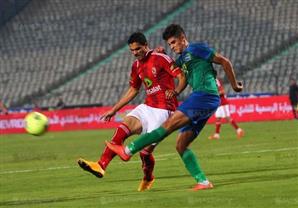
(238, 87)
(160, 49)
(107, 115)
(170, 94)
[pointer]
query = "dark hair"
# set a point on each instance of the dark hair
(137, 37)
(172, 30)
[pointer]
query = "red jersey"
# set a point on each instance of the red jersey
(223, 99)
(156, 71)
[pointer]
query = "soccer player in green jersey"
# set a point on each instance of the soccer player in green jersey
(191, 116)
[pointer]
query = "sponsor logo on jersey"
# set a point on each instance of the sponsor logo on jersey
(153, 90)
(187, 57)
(148, 82)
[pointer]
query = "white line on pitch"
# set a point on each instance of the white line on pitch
(43, 169)
(259, 151)
(63, 167)
(158, 158)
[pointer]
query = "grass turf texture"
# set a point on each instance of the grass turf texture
(260, 170)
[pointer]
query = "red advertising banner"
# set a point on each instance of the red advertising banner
(260, 109)
(65, 120)
(242, 109)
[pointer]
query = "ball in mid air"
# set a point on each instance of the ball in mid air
(36, 123)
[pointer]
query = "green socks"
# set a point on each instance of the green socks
(188, 157)
(192, 165)
(146, 139)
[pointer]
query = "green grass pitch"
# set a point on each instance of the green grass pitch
(260, 170)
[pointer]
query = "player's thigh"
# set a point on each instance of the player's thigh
(176, 121)
(227, 111)
(154, 118)
(133, 123)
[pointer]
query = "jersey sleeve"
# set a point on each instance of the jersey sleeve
(169, 65)
(135, 80)
(203, 51)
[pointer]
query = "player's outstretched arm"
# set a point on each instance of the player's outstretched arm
(228, 68)
(129, 95)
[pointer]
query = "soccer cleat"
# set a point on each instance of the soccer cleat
(145, 185)
(201, 186)
(119, 150)
(240, 133)
(92, 167)
(214, 136)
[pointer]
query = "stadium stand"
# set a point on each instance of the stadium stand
(9, 9)
(49, 44)
(52, 41)
(248, 32)
(274, 75)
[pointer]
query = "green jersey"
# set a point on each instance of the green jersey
(196, 62)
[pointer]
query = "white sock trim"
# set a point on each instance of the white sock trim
(206, 182)
(126, 150)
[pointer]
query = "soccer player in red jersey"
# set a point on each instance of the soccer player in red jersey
(157, 72)
(223, 112)
(191, 116)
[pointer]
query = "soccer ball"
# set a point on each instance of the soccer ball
(36, 123)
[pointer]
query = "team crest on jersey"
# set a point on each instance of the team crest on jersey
(154, 71)
(148, 82)
(187, 57)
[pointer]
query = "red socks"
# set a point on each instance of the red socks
(121, 133)
(233, 123)
(218, 124)
(217, 127)
(148, 163)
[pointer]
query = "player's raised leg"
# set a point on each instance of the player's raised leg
(98, 168)
(176, 121)
(121, 133)
(130, 125)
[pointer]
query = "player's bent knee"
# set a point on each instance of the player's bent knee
(169, 125)
(179, 149)
(133, 124)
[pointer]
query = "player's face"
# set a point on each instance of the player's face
(177, 44)
(138, 50)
